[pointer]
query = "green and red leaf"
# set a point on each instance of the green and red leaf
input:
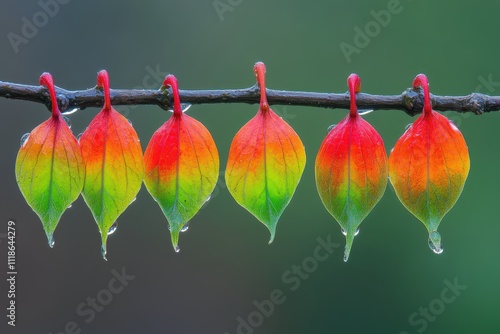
(351, 170)
(49, 168)
(182, 166)
(428, 167)
(114, 168)
(266, 161)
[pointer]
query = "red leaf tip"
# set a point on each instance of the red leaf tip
(171, 81)
(422, 81)
(47, 81)
(260, 73)
(354, 84)
(103, 81)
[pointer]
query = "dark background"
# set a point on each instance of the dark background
(225, 263)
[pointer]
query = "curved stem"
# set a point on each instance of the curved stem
(260, 72)
(103, 81)
(422, 81)
(171, 81)
(47, 81)
(354, 84)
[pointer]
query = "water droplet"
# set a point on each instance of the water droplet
(24, 139)
(103, 252)
(208, 198)
(177, 249)
(133, 200)
(184, 106)
(330, 128)
(113, 228)
(70, 206)
(69, 112)
(365, 112)
(51, 241)
(79, 136)
(435, 242)
(185, 227)
(344, 232)
(357, 232)
(129, 122)
(408, 126)
(68, 121)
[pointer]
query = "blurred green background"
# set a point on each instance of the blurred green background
(393, 283)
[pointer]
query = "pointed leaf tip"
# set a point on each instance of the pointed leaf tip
(266, 161)
(181, 166)
(49, 167)
(428, 167)
(351, 169)
(114, 167)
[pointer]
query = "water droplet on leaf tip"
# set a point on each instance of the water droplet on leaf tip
(103, 253)
(51, 242)
(24, 139)
(68, 121)
(435, 242)
(177, 249)
(330, 128)
(113, 228)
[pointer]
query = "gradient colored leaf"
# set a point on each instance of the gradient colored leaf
(351, 169)
(428, 167)
(113, 160)
(265, 162)
(49, 167)
(182, 166)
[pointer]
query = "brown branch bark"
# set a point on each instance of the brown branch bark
(410, 101)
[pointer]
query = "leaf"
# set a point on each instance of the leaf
(265, 163)
(114, 167)
(428, 167)
(351, 170)
(49, 168)
(182, 166)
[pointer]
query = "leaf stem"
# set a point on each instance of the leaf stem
(422, 81)
(47, 81)
(354, 84)
(103, 81)
(260, 73)
(171, 81)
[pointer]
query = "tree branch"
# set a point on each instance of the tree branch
(410, 101)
